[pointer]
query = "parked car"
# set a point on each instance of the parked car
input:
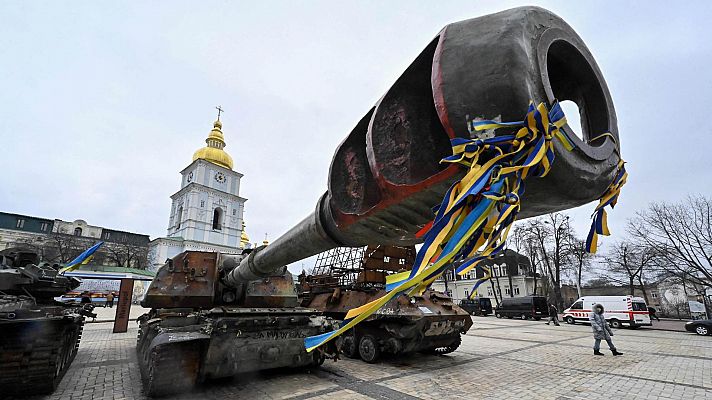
(525, 307)
(618, 310)
(701, 326)
(478, 306)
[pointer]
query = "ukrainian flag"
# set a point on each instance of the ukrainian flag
(81, 259)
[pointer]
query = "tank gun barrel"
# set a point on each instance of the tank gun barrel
(386, 175)
(307, 238)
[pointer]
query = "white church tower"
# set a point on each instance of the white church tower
(207, 211)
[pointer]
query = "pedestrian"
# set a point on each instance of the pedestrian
(86, 298)
(110, 299)
(653, 314)
(553, 315)
(601, 331)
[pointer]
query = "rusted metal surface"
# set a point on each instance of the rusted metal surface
(428, 322)
(200, 328)
(273, 291)
(222, 342)
(385, 176)
(187, 280)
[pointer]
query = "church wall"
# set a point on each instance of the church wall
(198, 235)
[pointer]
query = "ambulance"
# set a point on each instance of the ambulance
(617, 310)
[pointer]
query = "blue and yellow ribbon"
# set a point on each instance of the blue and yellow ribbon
(599, 226)
(472, 222)
(480, 281)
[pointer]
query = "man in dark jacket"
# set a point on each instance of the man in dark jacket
(553, 315)
(601, 331)
(86, 298)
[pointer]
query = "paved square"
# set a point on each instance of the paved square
(499, 359)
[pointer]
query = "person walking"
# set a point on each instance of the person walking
(86, 298)
(653, 314)
(110, 299)
(553, 315)
(601, 331)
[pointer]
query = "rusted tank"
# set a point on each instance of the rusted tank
(429, 323)
(199, 328)
(39, 337)
(386, 175)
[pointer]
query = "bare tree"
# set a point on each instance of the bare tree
(63, 248)
(549, 238)
(681, 235)
(524, 243)
(628, 260)
(579, 257)
(128, 255)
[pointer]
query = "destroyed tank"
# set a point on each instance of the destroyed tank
(39, 337)
(201, 328)
(348, 278)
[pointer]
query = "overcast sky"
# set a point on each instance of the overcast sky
(103, 103)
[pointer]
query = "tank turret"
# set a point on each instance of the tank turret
(386, 176)
(195, 279)
(21, 273)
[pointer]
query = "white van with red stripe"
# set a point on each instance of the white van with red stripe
(618, 310)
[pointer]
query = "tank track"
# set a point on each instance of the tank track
(169, 368)
(35, 363)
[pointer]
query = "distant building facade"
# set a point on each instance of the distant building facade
(512, 276)
(669, 296)
(207, 211)
(58, 241)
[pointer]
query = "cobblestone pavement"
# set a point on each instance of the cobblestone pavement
(499, 359)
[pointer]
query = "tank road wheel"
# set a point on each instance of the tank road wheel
(570, 320)
(446, 349)
(172, 369)
(368, 349)
(348, 346)
(319, 358)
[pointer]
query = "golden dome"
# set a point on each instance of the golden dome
(214, 152)
(244, 239)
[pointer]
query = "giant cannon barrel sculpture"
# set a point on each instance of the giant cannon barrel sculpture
(386, 176)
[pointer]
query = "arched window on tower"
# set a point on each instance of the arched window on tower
(217, 219)
(179, 217)
(77, 231)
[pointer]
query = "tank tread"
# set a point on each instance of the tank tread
(170, 369)
(36, 363)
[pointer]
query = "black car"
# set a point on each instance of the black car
(525, 307)
(700, 326)
(477, 306)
